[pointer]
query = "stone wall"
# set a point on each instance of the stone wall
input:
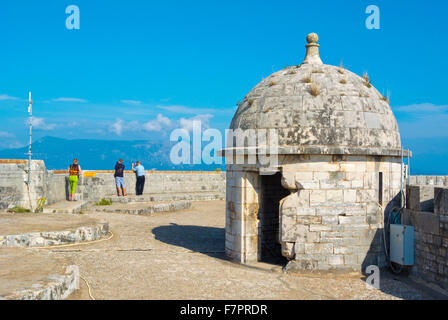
(53, 185)
(441, 181)
(103, 184)
(14, 191)
(336, 210)
(431, 233)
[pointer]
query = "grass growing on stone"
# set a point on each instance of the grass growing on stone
(104, 202)
(272, 83)
(386, 99)
(18, 209)
(343, 81)
(307, 79)
(341, 68)
(367, 81)
(314, 90)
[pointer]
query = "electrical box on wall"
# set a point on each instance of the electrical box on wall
(402, 244)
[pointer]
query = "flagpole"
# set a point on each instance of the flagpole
(30, 111)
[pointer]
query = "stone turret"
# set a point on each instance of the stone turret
(339, 170)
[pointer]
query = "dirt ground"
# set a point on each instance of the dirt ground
(180, 255)
(16, 265)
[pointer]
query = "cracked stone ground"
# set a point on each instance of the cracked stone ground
(180, 255)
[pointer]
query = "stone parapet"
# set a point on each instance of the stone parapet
(52, 238)
(52, 185)
(55, 287)
(431, 233)
(421, 180)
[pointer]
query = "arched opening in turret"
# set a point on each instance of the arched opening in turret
(269, 246)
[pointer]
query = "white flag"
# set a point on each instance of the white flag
(30, 105)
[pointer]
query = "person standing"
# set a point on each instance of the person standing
(119, 178)
(74, 171)
(140, 173)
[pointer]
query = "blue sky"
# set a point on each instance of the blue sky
(136, 69)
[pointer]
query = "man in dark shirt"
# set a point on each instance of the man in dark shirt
(119, 178)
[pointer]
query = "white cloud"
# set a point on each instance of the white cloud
(426, 126)
(186, 110)
(204, 119)
(4, 134)
(133, 126)
(73, 124)
(40, 124)
(157, 124)
(117, 127)
(68, 99)
(424, 120)
(422, 107)
(6, 97)
(132, 102)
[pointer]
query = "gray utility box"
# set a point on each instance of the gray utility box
(402, 244)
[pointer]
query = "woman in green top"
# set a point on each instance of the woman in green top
(74, 171)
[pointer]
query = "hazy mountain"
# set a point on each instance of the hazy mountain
(58, 153)
(429, 155)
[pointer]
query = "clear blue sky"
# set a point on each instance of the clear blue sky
(136, 68)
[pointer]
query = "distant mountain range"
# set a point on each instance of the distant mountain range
(430, 156)
(58, 153)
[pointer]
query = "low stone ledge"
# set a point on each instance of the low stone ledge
(152, 208)
(55, 287)
(168, 197)
(51, 238)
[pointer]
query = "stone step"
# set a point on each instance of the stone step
(143, 208)
(194, 196)
(65, 207)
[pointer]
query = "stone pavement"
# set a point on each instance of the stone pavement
(20, 223)
(35, 275)
(150, 207)
(180, 255)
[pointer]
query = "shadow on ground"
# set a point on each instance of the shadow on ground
(206, 240)
(401, 286)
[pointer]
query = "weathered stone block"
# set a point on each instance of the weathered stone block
(318, 196)
(299, 247)
(426, 222)
(335, 196)
(349, 196)
(336, 259)
(325, 248)
(413, 197)
(441, 201)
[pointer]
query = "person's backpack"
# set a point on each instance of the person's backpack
(74, 170)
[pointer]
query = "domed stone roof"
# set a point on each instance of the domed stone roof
(318, 108)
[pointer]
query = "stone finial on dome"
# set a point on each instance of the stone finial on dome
(312, 50)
